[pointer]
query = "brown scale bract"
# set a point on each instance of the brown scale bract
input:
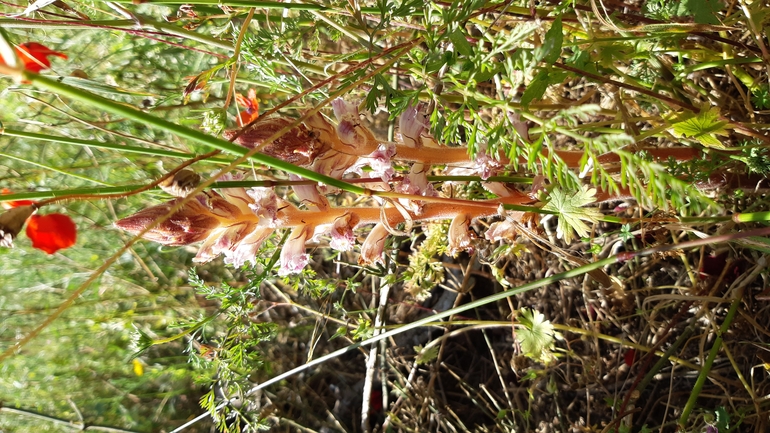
(298, 146)
(192, 223)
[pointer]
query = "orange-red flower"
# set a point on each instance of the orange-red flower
(14, 203)
(34, 56)
(251, 105)
(51, 232)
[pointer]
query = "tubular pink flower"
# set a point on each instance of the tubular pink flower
(309, 195)
(347, 116)
(236, 196)
(485, 165)
(349, 129)
(374, 245)
(265, 205)
(379, 161)
(459, 234)
(344, 110)
(343, 238)
(223, 239)
(293, 256)
(246, 250)
(416, 183)
(412, 124)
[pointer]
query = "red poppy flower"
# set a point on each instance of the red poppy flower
(14, 203)
(34, 56)
(251, 105)
(51, 232)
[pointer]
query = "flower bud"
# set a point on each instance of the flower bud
(11, 222)
(192, 223)
(298, 145)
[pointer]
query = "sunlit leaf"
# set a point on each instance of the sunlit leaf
(536, 337)
(704, 127)
(571, 213)
(702, 11)
(550, 51)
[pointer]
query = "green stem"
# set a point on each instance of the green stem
(702, 377)
(96, 144)
(664, 359)
(751, 217)
(260, 5)
(237, 3)
(54, 169)
(508, 179)
(41, 195)
(718, 63)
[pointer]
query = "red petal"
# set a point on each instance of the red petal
(34, 56)
(51, 232)
(15, 203)
(251, 105)
(245, 117)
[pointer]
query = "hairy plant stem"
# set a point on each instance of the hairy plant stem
(373, 215)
